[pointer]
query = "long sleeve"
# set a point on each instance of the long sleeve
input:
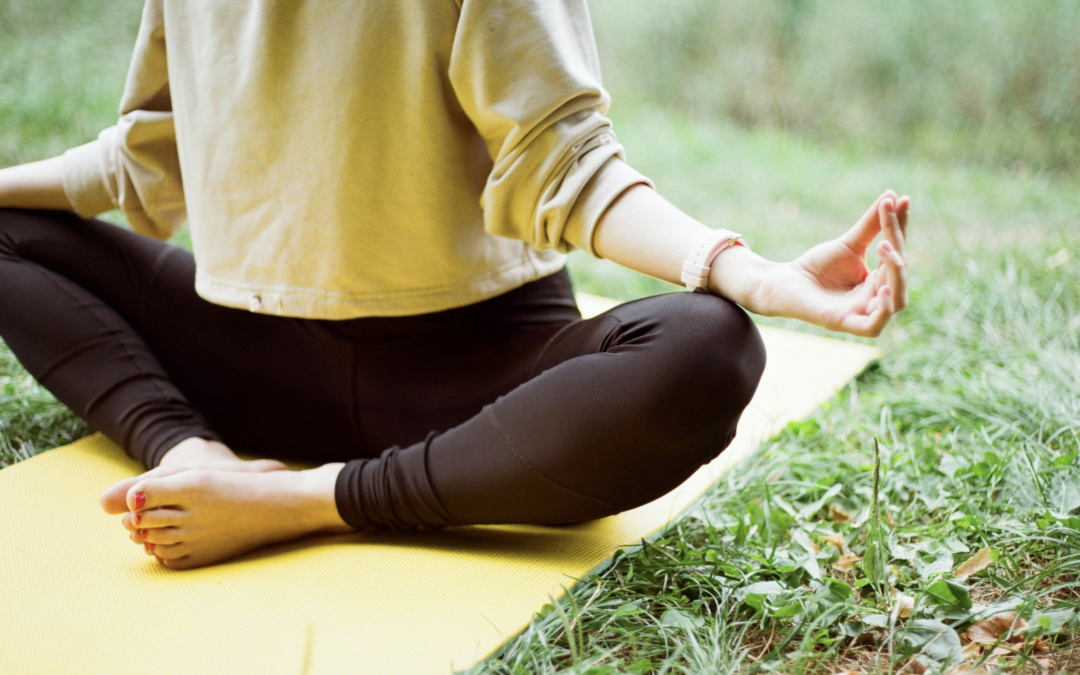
(134, 166)
(527, 75)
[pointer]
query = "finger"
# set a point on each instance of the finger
(879, 277)
(134, 537)
(897, 272)
(879, 311)
(890, 225)
(863, 232)
(162, 535)
(153, 518)
(903, 205)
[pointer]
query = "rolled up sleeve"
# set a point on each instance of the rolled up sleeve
(134, 166)
(527, 74)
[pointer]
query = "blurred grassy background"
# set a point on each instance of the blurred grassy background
(782, 119)
(991, 81)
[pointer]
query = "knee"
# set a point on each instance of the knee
(713, 359)
(17, 226)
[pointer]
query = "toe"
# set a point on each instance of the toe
(171, 551)
(184, 563)
(162, 535)
(161, 490)
(150, 518)
(114, 499)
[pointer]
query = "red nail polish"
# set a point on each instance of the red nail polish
(150, 548)
(138, 519)
(159, 559)
(142, 533)
(140, 500)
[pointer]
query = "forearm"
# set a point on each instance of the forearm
(38, 185)
(644, 232)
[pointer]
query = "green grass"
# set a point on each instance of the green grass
(975, 408)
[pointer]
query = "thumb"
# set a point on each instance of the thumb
(858, 238)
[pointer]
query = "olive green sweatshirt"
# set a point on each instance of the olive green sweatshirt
(338, 159)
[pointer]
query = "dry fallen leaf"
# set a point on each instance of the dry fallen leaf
(836, 540)
(852, 672)
(912, 666)
(906, 604)
(974, 564)
(889, 520)
(838, 514)
(987, 631)
(963, 669)
(846, 563)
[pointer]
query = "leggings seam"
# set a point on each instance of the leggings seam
(532, 469)
(73, 353)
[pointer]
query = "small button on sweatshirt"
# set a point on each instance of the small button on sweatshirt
(346, 159)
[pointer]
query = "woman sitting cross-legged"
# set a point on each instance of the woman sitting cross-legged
(380, 196)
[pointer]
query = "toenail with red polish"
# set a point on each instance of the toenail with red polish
(138, 519)
(142, 533)
(149, 547)
(140, 500)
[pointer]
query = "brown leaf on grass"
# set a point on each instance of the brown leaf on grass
(988, 631)
(912, 666)
(906, 604)
(846, 563)
(852, 672)
(836, 540)
(889, 520)
(838, 514)
(974, 564)
(965, 669)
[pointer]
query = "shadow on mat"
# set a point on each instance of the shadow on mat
(539, 543)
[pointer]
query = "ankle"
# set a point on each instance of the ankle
(194, 451)
(315, 490)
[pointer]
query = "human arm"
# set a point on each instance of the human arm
(132, 166)
(38, 185)
(829, 285)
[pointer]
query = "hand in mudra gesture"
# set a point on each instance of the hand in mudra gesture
(831, 286)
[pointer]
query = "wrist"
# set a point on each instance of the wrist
(742, 276)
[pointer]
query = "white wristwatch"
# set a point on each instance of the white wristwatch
(695, 270)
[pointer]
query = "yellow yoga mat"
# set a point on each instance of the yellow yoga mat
(77, 597)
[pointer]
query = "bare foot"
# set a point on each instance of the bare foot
(194, 517)
(192, 453)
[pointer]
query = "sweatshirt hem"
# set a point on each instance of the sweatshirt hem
(315, 303)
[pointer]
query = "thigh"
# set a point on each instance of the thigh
(271, 385)
(625, 406)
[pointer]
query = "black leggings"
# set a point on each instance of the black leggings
(512, 410)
